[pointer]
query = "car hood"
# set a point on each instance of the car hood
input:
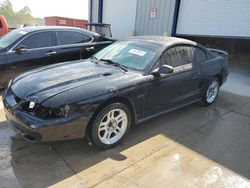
(41, 84)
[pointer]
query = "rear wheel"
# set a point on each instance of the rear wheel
(211, 92)
(111, 125)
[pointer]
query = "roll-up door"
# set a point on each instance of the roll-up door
(225, 18)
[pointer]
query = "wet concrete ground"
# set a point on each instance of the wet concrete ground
(190, 147)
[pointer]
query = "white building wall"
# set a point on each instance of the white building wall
(94, 11)
(121, 14)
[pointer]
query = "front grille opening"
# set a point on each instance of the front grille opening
(17, 98)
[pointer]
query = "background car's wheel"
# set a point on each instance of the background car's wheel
(211, 92)
(110, 125)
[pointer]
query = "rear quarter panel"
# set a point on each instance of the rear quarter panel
(209, 69)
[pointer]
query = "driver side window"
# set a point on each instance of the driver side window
(177, 57)
(38, 40)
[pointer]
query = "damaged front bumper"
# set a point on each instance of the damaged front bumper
(35, 129)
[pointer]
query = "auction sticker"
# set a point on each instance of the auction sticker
(137, 52)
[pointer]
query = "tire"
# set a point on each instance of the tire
(211, 92)
(110, 126)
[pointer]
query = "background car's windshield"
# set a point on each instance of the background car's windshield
(10, 37)
(130, 54)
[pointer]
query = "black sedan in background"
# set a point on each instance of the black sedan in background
(128, 82)
(30, 47)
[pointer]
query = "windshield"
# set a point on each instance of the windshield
(10, 37)
(130, 54)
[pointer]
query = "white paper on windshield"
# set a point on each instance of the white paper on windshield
(137, 52)
(23, 32)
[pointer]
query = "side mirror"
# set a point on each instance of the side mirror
(163, 70)
(21, 49)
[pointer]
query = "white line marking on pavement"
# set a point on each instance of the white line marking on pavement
(1, 105)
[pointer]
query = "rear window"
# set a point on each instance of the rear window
(69, 37)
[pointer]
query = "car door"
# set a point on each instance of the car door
(96, 45)
(93, 45)
(31, 52)
(71, 45)
(178, 88)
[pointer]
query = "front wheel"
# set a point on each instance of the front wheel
(211, 92)
(111, 125)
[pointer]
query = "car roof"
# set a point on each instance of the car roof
(55, 28)
(163, 41)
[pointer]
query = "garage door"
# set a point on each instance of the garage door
(121, 15)
(227, 18)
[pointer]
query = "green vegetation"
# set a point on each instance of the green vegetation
(15, 19)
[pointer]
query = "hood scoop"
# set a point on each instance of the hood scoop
(107, 74)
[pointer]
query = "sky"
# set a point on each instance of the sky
(66, 8)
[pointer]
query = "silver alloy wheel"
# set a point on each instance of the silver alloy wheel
(212, 91)
(112, 126)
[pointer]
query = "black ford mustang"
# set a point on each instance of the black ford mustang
(128, 82)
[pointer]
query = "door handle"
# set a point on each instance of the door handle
(90, 48)
(50, 53)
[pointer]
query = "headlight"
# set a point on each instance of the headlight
(48, 112)
(42, 112)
